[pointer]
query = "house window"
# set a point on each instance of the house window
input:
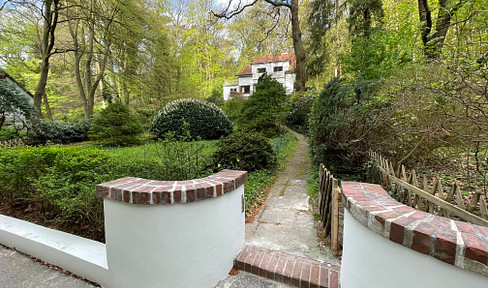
(278, 68)
(261, 70)
(246, 89)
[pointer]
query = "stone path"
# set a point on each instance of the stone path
(284, 229)
(20, 271)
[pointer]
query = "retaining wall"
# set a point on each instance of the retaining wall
(388, 244)
(158, 233)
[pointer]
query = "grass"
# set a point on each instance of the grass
(313, 184)
(152, 150)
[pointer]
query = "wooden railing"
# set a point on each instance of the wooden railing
(329, 198)
(406, 189)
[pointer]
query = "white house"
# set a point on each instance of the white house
(280, 67)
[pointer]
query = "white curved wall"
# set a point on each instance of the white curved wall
(370, 260)
(180, 245)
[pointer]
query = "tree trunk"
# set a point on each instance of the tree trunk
(48, 108)
(51, 9)
(433, 42)
(2, 120)
(300, 68)
(41, 86)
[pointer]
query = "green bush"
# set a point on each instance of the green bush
(248, 151)
(301, 106)
(217, 95)
(233, 107)
(116, 126)
(67, 187)
(14, 105)
(205, 120)
(330, 126)
(43, 131)
(264, 112)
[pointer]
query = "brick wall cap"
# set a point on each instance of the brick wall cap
(461, 244)
(141, 191)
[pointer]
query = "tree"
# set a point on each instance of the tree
(433, 37)
(82, 30)
(264, 112)
(51, 14)
(300, 68)
(14, 103)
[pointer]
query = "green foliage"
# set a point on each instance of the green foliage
(61, 180)
(301, 106)
(205, 120)
(14, 104)
(8, 133)
(248, 151)
(116, 126)
(256, 188)
(217, 95)
(284, 146)
(177, 158)
(264, 112)
(233, 108)
(364, 16)
(43, 131)
(331, 126)
(67, 186)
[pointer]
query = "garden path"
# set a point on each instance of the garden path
(282, 242)
(286, 222)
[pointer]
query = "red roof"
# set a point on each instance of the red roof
(246, 71)
(270, 59)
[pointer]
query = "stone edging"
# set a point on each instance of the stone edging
(461, 244)
(151, 192)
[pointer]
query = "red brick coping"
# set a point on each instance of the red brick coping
(461, 244)
(151, 192)
(290, 269)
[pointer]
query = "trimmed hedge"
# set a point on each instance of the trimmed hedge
(204, 120)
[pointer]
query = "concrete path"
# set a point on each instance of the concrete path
(286, 222)
(20, 271)
(282, 243)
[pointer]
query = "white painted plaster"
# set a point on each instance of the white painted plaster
(78, 255)
(370, 260)
(227, 90)
(180, 245)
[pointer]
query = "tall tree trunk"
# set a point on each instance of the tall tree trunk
(51, 12)
(433, 39)
(300, 68)
(85, 47)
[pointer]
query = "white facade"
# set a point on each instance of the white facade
(281, 71)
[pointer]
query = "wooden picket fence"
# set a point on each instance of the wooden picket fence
(329, 198)
(448, 203)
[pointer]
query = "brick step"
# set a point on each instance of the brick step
(298, 271)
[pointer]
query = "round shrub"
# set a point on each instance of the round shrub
(248, 151)
(205, 120)
(116, 126)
